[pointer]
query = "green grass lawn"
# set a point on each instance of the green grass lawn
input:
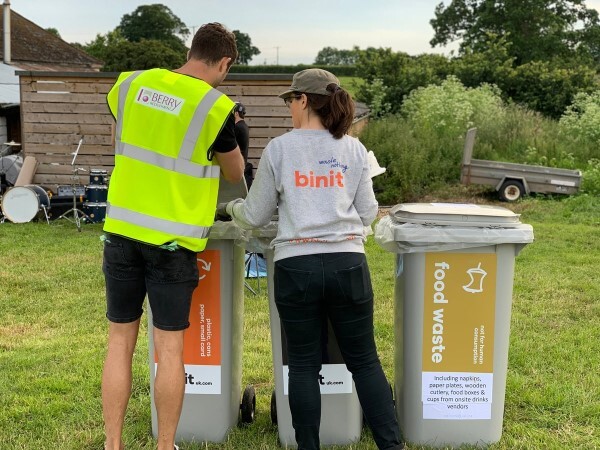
(53, 337)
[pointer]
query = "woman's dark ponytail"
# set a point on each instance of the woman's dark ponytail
(336, 110)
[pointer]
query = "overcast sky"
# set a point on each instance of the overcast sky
(284, 31)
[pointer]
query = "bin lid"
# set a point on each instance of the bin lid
(419, 238)
(455, 214)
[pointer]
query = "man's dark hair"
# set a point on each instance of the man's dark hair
(212, 42)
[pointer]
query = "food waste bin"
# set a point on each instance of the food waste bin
(341, 414)
(213, 342)
(453, 292)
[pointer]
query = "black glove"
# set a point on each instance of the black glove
(221, 213)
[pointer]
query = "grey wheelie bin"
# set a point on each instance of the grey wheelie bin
(341, 414)
(453, 291)
(213, 342)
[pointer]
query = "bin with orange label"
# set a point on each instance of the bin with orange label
(454, 280)
(213, 344)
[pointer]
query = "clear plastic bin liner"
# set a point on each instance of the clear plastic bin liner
(228, 230)
(261, 238)
(418, 238)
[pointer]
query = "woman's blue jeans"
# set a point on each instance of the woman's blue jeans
(336, 286)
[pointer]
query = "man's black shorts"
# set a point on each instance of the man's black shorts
(133, 269)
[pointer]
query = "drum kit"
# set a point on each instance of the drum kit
(22, 204)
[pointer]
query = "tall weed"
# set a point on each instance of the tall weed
(591, 178)
(580, 124)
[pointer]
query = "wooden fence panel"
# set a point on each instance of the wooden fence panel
(58, 109)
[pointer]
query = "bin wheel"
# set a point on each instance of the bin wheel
(248, 406)
(273, 409)
(511, 191)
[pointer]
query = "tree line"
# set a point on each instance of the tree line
(539, 53)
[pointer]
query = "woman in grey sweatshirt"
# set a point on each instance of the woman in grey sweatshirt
(316, 178)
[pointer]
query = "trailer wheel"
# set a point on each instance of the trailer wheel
(511, 191)
(248, 406)
(273, 409)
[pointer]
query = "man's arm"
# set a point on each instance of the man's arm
(232, 165)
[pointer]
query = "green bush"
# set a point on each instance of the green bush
(580, 124)
(548, 87)
(449, 109)
(399, 73)
(404, 157)
(378, 105)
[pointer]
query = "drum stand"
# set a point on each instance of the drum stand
(46, 214)
(78, 214)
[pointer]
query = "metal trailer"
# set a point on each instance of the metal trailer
(511, 180)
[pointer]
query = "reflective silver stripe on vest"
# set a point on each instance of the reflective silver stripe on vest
(156, 224)
(123, 91)
(182, 163)
(182, 166)
(197, 123)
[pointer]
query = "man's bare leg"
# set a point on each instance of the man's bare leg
(169, 385)
(116, 380)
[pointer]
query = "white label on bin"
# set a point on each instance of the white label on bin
(201, 379)
(457, 395)
(333, 379)
(458, 411)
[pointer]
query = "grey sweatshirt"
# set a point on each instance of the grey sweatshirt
(321, 189)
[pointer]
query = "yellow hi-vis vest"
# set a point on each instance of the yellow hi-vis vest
(163, 187)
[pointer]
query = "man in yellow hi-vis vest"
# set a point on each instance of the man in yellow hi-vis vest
(174, 136)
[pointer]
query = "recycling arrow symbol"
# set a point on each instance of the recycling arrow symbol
(204, 266)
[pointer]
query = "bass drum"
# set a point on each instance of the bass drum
(22, 204)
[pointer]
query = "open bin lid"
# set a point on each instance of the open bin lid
(434, 227)
(454, 214)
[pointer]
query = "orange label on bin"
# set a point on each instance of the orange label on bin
(459, 313)
(202, 340)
